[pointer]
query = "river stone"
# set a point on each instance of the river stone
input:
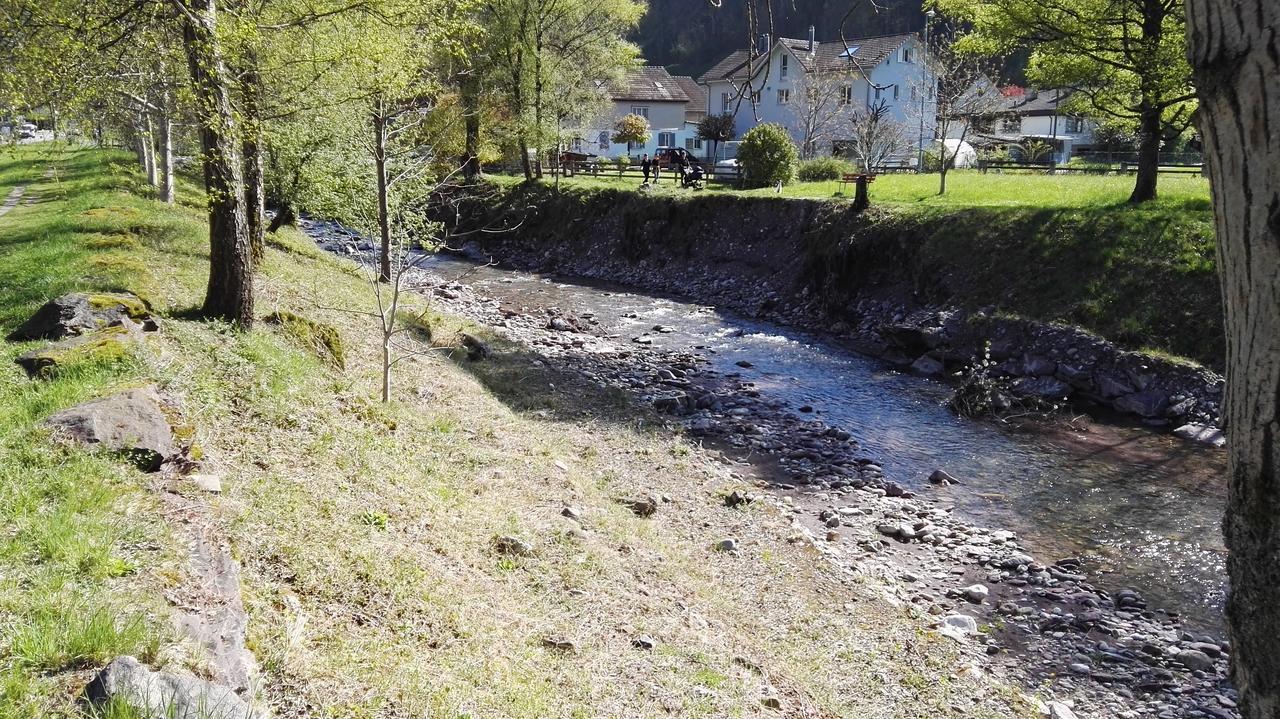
(927, 366)
(162, 695)
(1110, 387)
(1044, 387)
(132, 422)
(1202, 434)
(940, 476)
(1148, 403)
(958, 626)
(1037, 366)
(1058, 710)
(975, 593)
(1195, 660)
(81, 312)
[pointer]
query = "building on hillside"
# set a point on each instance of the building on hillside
(1030, 114)
(652, 93)
(888, 69)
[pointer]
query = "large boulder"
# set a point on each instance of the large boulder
(81, 312)
(1148, 403)
(133, 423)
(107, 344)
(163, 695)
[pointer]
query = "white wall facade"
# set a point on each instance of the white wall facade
(780, 97)
(667, 127)
(1067, 132)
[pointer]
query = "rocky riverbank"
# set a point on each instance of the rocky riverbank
(812, 265)
(1043, 622)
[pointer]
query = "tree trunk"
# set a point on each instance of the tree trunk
(230, 292)
(942, 176)
(524, 158)
(470, 91)
(254, 197)
(1235, 51)
(386, 367)
(149, 149)
(861, 200)
(384, 219)
(1148, 154)
(168, 190)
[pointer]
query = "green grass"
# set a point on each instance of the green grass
(965, 188)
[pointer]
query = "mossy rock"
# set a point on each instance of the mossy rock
(104, 346)
(320, 338)
(81, 312)
(417, 323)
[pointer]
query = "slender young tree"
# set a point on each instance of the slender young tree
(1234, 47)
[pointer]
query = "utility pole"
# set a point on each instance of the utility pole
(924, 94)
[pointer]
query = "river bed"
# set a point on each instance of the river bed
(1143, 509)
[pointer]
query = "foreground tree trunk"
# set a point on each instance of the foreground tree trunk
(230, 292)
(1144, 186)
(254, 195)
(1234, 48)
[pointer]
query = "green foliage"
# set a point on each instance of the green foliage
(823, 168)
(716, 129)
(632, 129)
(767, 155)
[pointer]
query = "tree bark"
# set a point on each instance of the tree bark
(470, 91)
(148, 149)
(168, 189)
(384, 219)
(230, 292)
(1144, 187)
(1234, 49)
(254, 197)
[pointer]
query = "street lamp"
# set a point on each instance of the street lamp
(924, 63)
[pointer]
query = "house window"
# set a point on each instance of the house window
(877, 93)
(755, 97)
(846, 95)
(724, 102)
(1075, 125)
(633, 146)
(782, 66)
(895, 92)
(906, 55)
(693, 143)
(1011, 124)
(666, 139)
(784, 96)
(603, 141)
(641, 110)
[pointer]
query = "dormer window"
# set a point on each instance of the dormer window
(850, 51)
(906, 55)
(782, 66)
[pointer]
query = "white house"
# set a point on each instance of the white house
(888, 69)
(653, 93)
(1030, 114)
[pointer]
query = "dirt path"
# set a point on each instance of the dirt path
(14, 197)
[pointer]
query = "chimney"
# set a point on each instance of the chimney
(765, 44)
(812, 37)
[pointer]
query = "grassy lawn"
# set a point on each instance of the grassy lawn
(965, 188)
(367, 531)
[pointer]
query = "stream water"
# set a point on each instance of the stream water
(1143, 509)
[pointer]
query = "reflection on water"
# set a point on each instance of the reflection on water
(1143, 508)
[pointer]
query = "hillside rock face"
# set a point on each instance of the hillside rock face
(132, 423)
(81, 312)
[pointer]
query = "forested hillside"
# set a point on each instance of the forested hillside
(688, 36)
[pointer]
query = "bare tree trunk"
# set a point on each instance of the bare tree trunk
(1144, 187)
(168, 190)
(1234, 49)
(384, 219)
(942, 175)
(149, 149)
(230, 291)
(470, 91)
(254, 198)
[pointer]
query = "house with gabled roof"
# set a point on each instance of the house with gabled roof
(668, 102)
(888, 69)
(1033, 114)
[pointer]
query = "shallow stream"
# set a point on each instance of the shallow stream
(1143, 509)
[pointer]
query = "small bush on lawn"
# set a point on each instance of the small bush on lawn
(767, 155)
(823, 168)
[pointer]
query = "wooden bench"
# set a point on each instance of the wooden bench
(851, 178)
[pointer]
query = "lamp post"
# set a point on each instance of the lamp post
(924, 63)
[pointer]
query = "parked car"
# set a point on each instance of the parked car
(668, 157)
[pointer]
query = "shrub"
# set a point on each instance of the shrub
(767, 155)
(823, 168)
(622, 162)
